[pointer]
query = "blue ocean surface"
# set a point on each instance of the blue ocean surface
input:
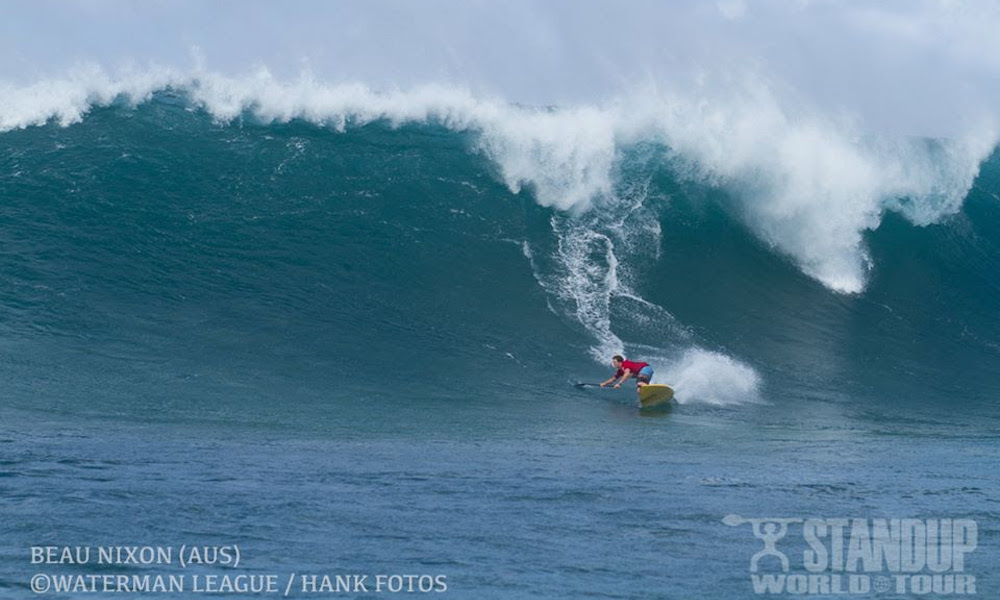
(348, 344)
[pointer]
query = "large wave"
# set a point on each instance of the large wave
(809, 186)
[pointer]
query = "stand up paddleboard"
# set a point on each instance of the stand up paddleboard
(655, 395)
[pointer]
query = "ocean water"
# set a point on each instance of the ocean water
(341, 332)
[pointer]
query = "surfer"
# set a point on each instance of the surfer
(628, 368)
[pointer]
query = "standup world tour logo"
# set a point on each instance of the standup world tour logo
(860, 556)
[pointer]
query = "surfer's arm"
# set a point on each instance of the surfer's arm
(625, 376)
(607, 381)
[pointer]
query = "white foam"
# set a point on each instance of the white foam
(702, 376)
(66, 100)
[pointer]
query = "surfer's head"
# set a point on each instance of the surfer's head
(616, 360)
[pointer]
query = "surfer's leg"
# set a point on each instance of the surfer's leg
(644, 376)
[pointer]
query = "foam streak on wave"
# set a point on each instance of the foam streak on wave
(590, 276)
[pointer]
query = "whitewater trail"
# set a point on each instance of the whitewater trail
(590, 284)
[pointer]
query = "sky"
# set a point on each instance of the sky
(921, 67)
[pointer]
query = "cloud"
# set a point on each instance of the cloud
(732, 9)
(913, 67)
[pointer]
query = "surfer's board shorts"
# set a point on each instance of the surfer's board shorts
(645, 374)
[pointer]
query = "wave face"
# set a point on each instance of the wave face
(169, 235)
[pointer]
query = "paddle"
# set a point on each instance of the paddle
(583, 385)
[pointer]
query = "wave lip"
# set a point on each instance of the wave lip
(810, 185)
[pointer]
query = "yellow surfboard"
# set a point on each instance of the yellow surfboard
(655, 395)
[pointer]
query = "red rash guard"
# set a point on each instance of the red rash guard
(631, 366)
